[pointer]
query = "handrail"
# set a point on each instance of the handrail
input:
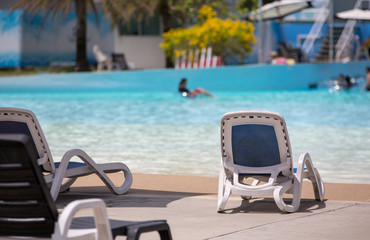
(344, 39)
(347, 34)
(316, 28)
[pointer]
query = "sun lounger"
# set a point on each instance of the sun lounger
(257, 160)
(28, 210)
(119, 61)
(103, 60)
(21, 121)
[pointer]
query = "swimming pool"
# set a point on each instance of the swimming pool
(157, 131)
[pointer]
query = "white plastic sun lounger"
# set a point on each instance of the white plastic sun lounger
(255, 146)
(21, 121)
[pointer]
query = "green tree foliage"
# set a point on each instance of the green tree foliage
(228, 38)
(246, 6)
(185, 12)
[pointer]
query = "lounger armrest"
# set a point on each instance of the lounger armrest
(306, 169)
(42, 160)
(100, 216)
(92, 166)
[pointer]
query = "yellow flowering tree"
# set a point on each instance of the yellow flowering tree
(228, 38)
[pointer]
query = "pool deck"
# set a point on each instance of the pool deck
(189, 205)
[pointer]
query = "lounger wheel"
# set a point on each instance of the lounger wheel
(246, 197)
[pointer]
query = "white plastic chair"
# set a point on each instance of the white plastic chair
(21, 121)
(104, 61)
(255, 147)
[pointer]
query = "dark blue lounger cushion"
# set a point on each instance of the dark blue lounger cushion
(71, 164)
(12, 127)
(255, 145)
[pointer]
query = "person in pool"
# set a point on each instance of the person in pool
(192, 93)
(367, 84)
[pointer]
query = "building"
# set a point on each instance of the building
(24, 43)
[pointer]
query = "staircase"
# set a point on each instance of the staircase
(314, 37)
(317, 44)
(345, 41)
(323, 53)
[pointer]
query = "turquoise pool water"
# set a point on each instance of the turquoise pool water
(157, 131)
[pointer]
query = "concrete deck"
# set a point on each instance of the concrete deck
(189, 206)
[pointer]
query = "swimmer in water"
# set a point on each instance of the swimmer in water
(192, 93)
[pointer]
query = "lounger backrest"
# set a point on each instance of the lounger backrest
(255, 139)
(15, 120)
(26, 206)
(120, 59)
(99, 55)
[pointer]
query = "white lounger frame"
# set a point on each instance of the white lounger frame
(55, 176)
(229, 179)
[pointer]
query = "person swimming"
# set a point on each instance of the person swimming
(367, 84)
(185, 92)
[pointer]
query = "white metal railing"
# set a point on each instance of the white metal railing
(361, 51)
(347, 35)
(316, 29)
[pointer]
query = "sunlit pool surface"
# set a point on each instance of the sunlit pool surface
(159, 132)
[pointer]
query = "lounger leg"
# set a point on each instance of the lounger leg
(278, 196)
(66, 186)
(313, 175)
(58, 179)
(98, 169)
(317, 183)
(106, 168)
(223, 190)
(134, 231)
(297, 189)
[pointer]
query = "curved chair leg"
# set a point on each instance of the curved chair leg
(99, 169)
(107, 168)
(65, 186)
(102, 225)
(279, 191)
(223, 191)
(313, 175)
(320, 187)
(222, 202)
(317, 183)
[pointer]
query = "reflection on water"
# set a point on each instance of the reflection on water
(160, 132)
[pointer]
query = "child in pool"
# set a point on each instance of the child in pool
(192, 93)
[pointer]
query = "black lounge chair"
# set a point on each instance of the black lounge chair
(28, 210)
(119, 61)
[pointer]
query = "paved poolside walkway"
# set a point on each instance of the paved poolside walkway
(189, 205)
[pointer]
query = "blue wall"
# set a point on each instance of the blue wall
(248, 77)
(10, 39)
(232, 78)
(23, 44)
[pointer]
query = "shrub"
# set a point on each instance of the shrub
(228, 38)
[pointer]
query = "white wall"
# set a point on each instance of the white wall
(143, 51)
